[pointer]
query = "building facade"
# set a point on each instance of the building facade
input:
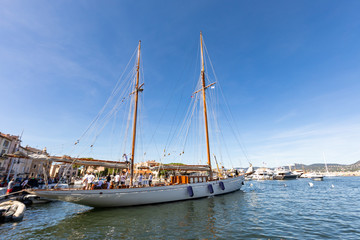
(9, 144)
(63, 170)
(17, 167)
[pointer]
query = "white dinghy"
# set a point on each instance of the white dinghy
(12, 211)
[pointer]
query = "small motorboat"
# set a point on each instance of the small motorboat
(12, 211)
(317, 177)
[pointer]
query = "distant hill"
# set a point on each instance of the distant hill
(333, 167)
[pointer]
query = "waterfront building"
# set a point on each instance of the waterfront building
(9, 144)
(38, 168)
(63, 170)
(21, 166)
(17, 167)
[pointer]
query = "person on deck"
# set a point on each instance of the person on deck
(108, 180)
(140, 179)
(10, 186)
(90, 179)
(150, 179)
(84, 180)
(122, 178)
(99, 184)
(117, 180)
(24, 184)
(125, 159)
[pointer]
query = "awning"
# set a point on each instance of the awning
(182, 167)
(79, 161)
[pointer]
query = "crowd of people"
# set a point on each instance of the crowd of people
(89, 181)
(18, 184)
(117, 180)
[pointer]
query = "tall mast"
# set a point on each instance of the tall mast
(136, 92)
(204, 103)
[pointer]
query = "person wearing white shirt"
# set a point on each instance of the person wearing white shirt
(84, 180)
(117, 180)
(90, 179)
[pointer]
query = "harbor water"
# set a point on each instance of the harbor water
(330, 209)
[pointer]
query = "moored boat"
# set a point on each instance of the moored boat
(317, 177)
(314, 176)
(183, 188)
(12, 211)
(262, 174)
(147, 195)
(282, 174)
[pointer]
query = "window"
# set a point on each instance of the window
(6, 144)
(2, 153)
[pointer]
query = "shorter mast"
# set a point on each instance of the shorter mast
(136, 92)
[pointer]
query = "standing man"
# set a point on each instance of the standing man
(24, 184)
(117, 180)
(122, 178)
(10, 186)
(140, 179)
(90, 179)
(85, 180)
(108, 180)
(150, 179)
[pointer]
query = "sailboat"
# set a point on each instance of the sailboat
(327, 174)
(185, 188)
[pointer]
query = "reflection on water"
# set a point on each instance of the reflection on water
(269, 209)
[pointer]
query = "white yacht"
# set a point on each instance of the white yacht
(262, 174)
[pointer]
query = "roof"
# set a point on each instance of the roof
(9, 137)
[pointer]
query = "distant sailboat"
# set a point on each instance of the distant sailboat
(327, 174)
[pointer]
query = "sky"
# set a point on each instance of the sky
(289, 70)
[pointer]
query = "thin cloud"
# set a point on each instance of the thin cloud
(305, 144)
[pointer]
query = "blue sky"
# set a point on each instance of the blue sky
(289, 69)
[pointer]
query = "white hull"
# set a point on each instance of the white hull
(142, 196)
